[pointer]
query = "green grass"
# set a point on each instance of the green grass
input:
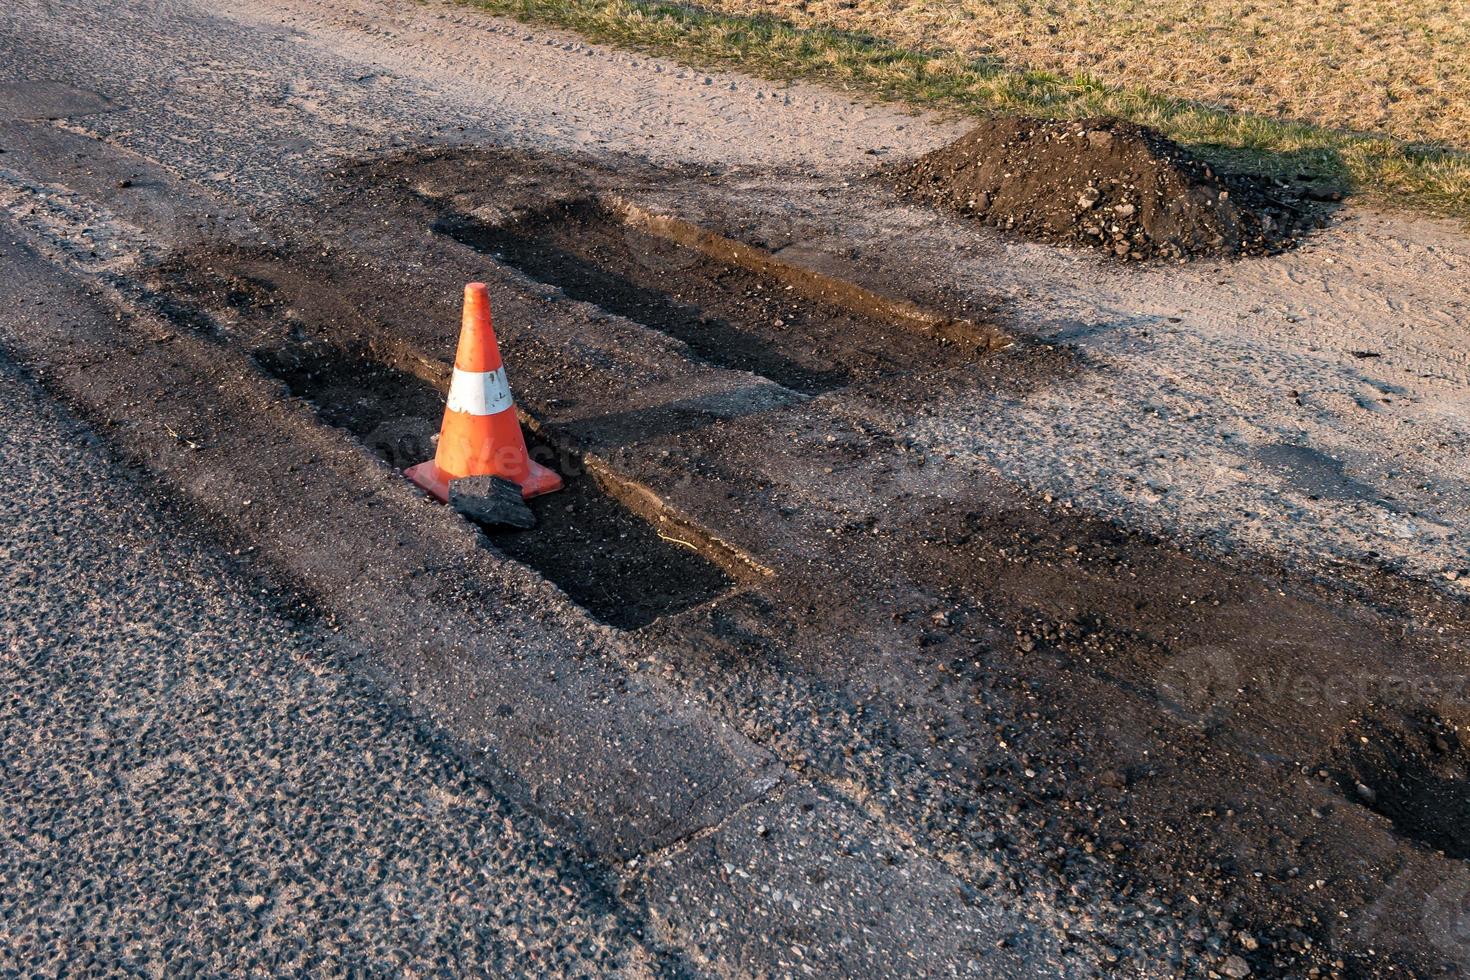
(1421, 177)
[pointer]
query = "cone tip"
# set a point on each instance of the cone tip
(476, 301)
(478, 350)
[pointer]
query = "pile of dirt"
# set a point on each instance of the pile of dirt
(1100, 183)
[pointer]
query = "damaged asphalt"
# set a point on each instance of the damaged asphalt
(196, 780)
(818, 691)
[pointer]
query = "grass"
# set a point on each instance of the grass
(1398, 67)
(1395, 172)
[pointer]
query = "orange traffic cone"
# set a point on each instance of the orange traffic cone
(481, 435)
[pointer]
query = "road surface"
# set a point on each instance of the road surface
(1126, 637)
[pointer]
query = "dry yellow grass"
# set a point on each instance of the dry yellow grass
(1352, 93)
(1399, 68)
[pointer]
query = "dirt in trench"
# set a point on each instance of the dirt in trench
(623, 568)
(728, 315)
(1106, 184)
(1213, 715)
(1415, 772)
(1150, 722)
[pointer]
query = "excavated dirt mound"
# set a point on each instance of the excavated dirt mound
(1101, 183)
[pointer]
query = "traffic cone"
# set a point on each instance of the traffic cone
(481, 435)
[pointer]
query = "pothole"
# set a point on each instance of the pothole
(734, 305)
(610, 546)
(1415, 772)
(624, 567)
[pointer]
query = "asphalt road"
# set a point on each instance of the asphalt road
(193, 778)
(981, 718)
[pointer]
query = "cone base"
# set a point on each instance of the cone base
(428, 477)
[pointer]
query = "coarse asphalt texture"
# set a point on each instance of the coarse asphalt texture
(194, 780)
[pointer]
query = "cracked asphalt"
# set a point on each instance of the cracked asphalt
(193, 778)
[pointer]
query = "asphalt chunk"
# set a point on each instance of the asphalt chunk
(491, 501)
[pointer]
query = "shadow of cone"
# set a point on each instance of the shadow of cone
(480, 435)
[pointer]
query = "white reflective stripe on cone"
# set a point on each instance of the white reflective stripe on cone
(479, 392)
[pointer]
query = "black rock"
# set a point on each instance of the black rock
(492, 501)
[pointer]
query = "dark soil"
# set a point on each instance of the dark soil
(1157, 723)
(728, 315)
(624, 570)
(612, 561)
(1416, 773)
(1105, 184)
